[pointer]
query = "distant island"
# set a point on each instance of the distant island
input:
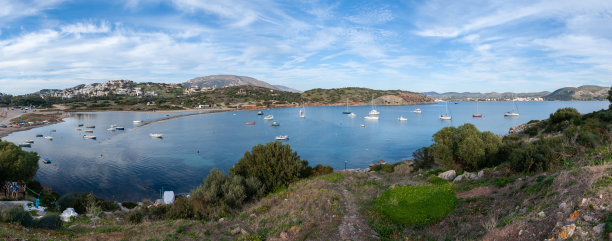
(585, 92)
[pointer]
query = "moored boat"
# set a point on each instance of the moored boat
(476, 115)
(46, 161)
(259, 113)
(25, 145)
(371, 117)
(250, 123)
(275, 124)
(90, 127)
(29, 141)
(446, 116)
(347, 108)
(89, 137)
(417, 110)
(282, 137)
(156, 135)
(352, 115)
(137, 121)
(401, 118)
(88, 131)
(48, 138)
(39, 135)
(119, 128)
(362, 125)
(269, 117)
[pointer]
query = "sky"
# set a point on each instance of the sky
(454, 45)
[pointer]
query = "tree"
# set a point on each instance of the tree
(610, 96)
(16, 164)
(464, 147)
(274, 164)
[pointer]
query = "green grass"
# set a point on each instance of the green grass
(417, 205)
(608, 226)
(333, 177)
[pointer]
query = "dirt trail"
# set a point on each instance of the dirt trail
(354, 226)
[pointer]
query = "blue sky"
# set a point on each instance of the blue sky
(452, 45)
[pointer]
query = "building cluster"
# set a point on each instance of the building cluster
(195, 89)
(118, 87)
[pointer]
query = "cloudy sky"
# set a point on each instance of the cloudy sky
(412, 45)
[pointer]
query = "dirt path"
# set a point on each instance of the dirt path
(354, 226)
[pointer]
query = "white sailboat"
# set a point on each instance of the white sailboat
(371, 117)
(514, 111)
(417, 110)
(401, 118)
(446, 116)
(374, 111)
(303, 111)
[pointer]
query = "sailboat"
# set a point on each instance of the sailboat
(417, 110)
(401, 118)
(373, 111)
(476, 114)
(445, 116)
(302, 111)
(347, 110)
(514, 111)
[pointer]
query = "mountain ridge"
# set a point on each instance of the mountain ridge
(222, 81)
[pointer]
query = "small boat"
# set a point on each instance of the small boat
(78, 129)
(259, 113)
(371, 117)
(25, 145)
(250, 123)
(417, 110)
(48, 138)
(514, 112)
(111, 129)
(156, 135)
(46, 161)
(39, 135)
(80, 125)
(137, 121)
(352, 115)
(29, 141)
(446, 116)
(374, 111)
(119, 128)
(347, 109)
(53, 130)
(88, 131)
(281, 137)
(303, 111)
(89, 137)
(275, 124)
(401, 118)
(269, 117)
(362, 125)
(90, 127)
(476, 115)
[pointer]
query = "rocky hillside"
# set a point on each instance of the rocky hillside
(463, 96)
(360, 96)
(222, 81)
(585, 92)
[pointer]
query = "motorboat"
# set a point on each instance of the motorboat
(46, 161)
(401, 118)
(88, 131)
(250, 123)
(137, 121)
(48, 138)
(90, 127)
(371, 117)
(89, 137)
(119, 128)
(29, 141)
(269, 117)
(282, 137)
(417, 110)
(362, 125)
(259, 113)
(53, 130)
(275, 124)
(111, 129)
(78, 129)
(39, 135)
(80, 125)
(156, 135)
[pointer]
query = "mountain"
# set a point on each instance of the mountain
(222, 81)
(364, 96)
(286, 89)
(585, 92)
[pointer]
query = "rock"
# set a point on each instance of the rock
(236, 230)
(600, 227)
(458, 178)
(284, 236)
(573, 216)
(581, 232)
(583, 202)
(67, 214)
(588, 218)
(480, 174)
(221, 220)
(448, 175)
(565, 232)
(562, 205)
(520, 232)
(541, 214)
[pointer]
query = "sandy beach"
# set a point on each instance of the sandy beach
(6, 115)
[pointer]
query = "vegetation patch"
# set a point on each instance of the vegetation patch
(417, 205)
(334, 177)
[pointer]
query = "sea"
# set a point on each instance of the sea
(129, 165)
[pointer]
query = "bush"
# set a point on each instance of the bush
(16, 164)
(79, 202)
(416, 205)
(464, 147)
(19, 216)
(274, 164)
(422, 158)
(50, 221)
(540, 155)
(564, 114)
(129, 205)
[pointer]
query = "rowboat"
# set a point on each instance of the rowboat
(250, 123)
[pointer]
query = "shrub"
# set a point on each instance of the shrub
(274, 164)
(19, 216)
(50, 221)
(436, 180)
(16, 164)
(129, 205)
(423, 158)
(464, 147)
(403, 169)
(417, 205)
(564, 114)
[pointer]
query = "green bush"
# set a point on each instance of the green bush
(464, 147)
(608, 225)
(274, 164)
(417, 205)
(50, 221)
(129, 205)
(79, 202)
(564, 114)
(19, 216)
(422, 158)
(436, 180)
(16, 164)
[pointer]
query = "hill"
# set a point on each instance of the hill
(222, 81)
(585, 92)
(364, 96)
(466, 96)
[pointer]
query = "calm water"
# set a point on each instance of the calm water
(129, 165)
